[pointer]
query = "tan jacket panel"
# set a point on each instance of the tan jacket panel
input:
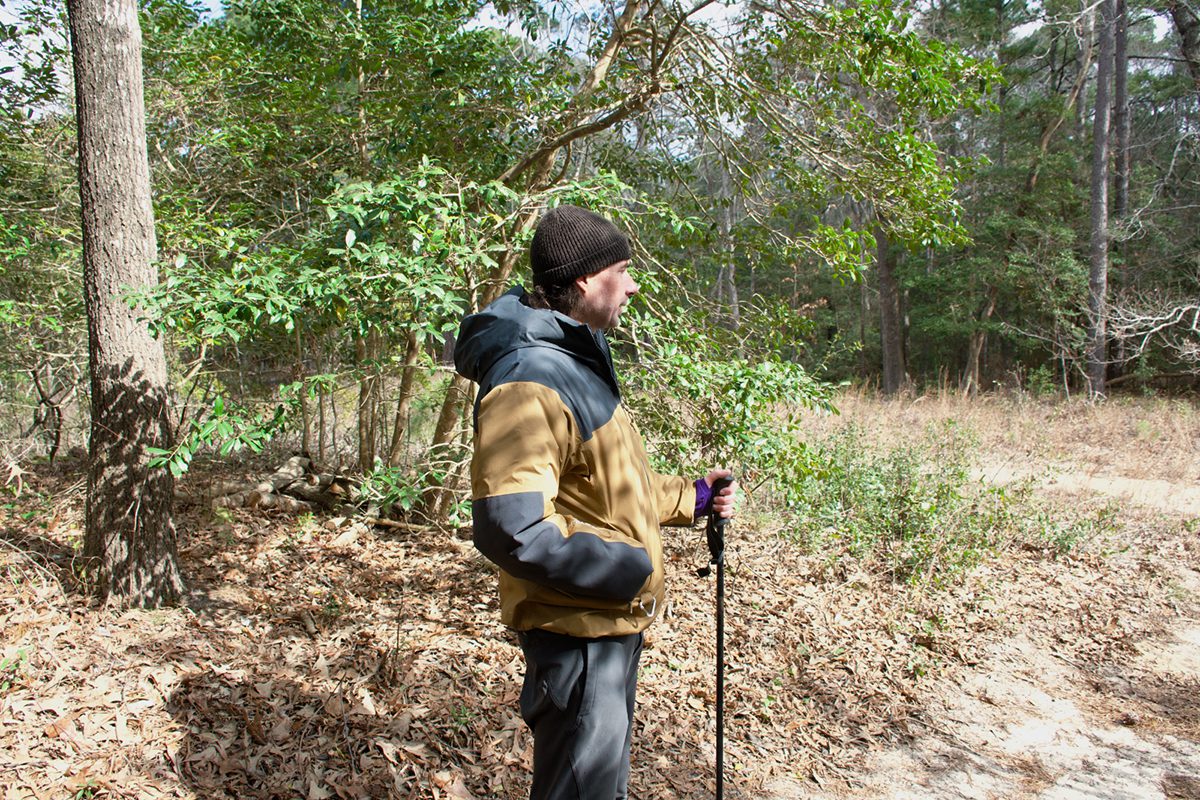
(527, 444)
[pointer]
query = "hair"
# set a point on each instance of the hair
(561, 297)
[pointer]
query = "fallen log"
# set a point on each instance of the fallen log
(291, 487)
(292, 470)
(226, 488)
(237, 500)
(326, 489)
(281, 502)
(382, 522)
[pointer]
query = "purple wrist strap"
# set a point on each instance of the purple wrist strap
(703, 498)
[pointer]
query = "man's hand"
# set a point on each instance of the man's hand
(723, 503)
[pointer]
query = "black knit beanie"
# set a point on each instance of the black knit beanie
(571, 242)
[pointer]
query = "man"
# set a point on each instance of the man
(565, 502)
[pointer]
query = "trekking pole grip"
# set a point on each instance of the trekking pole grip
(715, 529)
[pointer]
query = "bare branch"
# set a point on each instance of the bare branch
(1175, 324)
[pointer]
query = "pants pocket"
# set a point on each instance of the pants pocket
(554, 675)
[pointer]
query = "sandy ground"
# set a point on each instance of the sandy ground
(1027, 722)
(1166, 496)
(1024, 727)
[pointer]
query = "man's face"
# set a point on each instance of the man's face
(604, 296)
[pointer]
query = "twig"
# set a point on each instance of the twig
(393, 523)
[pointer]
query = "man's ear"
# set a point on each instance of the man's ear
(584, 283)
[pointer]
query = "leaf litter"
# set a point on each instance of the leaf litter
(314, 664)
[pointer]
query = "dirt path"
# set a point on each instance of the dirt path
(1032, 721)
(1166, 496)
(1024, 728)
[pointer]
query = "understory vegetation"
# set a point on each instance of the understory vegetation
(922, 512)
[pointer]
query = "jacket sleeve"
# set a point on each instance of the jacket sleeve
(676, 499)
(524, 436)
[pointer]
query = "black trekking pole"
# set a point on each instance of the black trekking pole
(714, 531)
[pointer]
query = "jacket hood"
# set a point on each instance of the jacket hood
(508, 325)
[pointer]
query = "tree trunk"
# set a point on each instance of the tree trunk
(365, 456)
(1187, 25)
(454, 475)
(379, 426)
(726, 288)
(322, 453)
(1121, 123)
(890, 324)
(48, 415)
(1097, 361)
(434, 499)
(864, 313)
(969, 384)
(300, 374)
(403, 404)
(1086, 31)
(364, 353)
(1121, 147)
(130, 536)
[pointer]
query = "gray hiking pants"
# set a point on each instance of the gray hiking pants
(578, 700)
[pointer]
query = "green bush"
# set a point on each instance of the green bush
(705, 399)
(916, 512)
(912, 508)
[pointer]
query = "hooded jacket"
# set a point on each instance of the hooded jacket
(563, 497)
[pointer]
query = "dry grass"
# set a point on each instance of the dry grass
(1140, 438)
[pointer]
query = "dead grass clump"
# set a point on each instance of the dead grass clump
(1143, 438)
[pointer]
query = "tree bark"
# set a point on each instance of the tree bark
(48, 415)
(434, 498)
(1121, 123)
(864, 313)
(322, 455)
(1121, 149)
(300, 373)
(1086, 27)
(1097, 361)
(364, 354)
(726, 288)
(404, 402)
(1187, 25)
(891, 328)
(130, 537)
(969, 384)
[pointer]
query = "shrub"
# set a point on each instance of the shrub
(911, 508)
(916, 512)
